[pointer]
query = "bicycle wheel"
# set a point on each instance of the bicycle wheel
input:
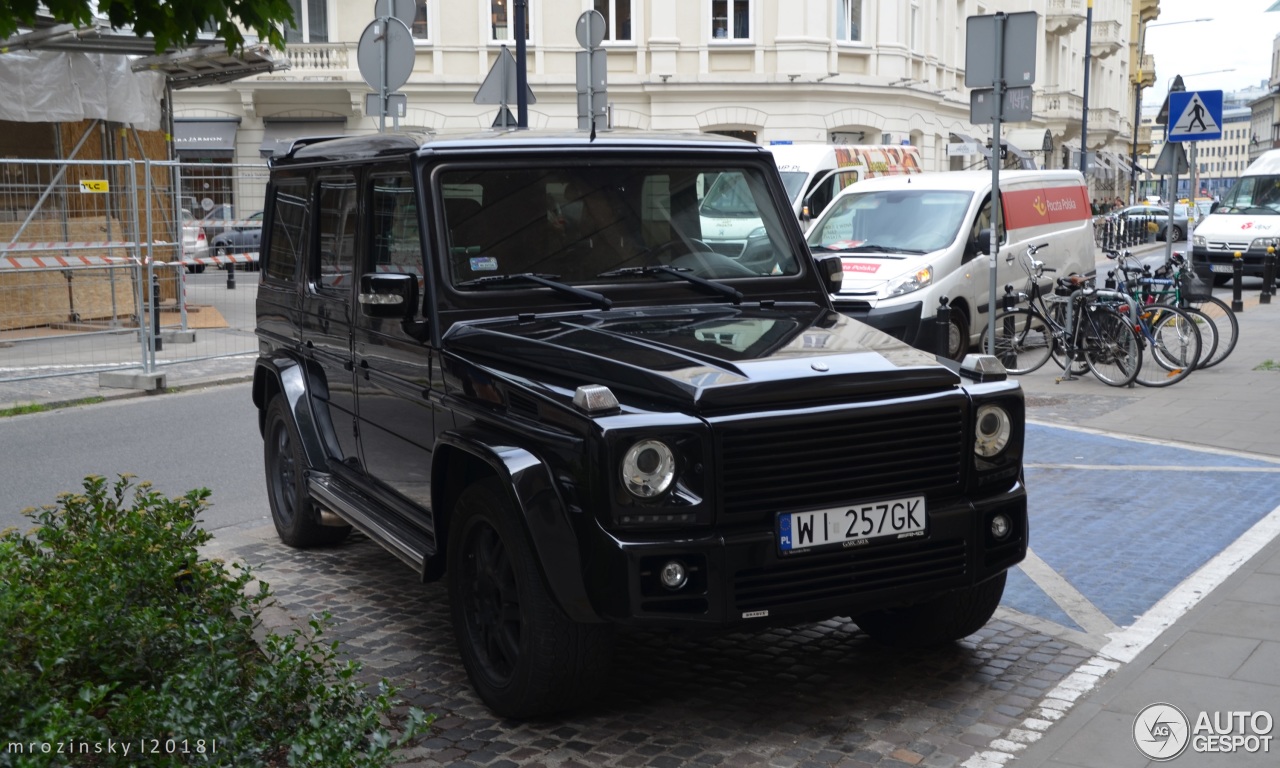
(1172, 343)
(1058, 313)
(1023, 340)
(1224, 323)
(1208, 334)
(1113, 349)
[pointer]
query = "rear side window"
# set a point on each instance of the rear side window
(288, 223)
(335, 251)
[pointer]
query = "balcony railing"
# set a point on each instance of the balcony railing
(1104, 119)
(1058, 104)
(1064, 16)
(322, 57)
(1106, 38)
(1145, 75)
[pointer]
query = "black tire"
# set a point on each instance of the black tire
(1224, 323)
(1178, 234)
(1112, 348)
(220, 250)
(1220, 279)
(524, 657)
(1172, 345)
(957, 334)
(295, 515)
(944, 619)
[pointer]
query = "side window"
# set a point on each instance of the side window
(396, 245)
(334, 252)
(288, 223)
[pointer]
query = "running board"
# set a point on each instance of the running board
(409, 545)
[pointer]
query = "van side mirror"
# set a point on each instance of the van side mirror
(978, 246)
(1214, 207)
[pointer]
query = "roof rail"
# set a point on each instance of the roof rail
(307, 141)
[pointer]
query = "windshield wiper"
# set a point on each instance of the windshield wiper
(549, 281)
(865, 248)
(684, 273)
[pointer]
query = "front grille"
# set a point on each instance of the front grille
(811, 578)
(829, 459)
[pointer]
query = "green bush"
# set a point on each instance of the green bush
(115, 634)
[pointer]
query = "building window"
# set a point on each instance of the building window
(617, 18)
(916, 23)
(420, 28)
(310, 22)
(502, 17)
(849, 21)
(731, 19)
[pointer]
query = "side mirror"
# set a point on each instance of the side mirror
(832, 270)
(388, 295)
(1214, 206)
(982, 242)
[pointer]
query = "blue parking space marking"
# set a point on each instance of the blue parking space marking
(1023, 595)
(1128, 520)
(1056, 445)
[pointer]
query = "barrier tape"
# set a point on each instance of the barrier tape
(207, 223)
(66, 246)
(54, 262)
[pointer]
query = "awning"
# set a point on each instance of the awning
(214, 138)
(1031, 139)
(964, 145)
(277, 135)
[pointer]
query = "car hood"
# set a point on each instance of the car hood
(707, 357)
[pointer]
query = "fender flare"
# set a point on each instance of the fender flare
(532, 492)
(287, 376)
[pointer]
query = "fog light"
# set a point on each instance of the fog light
(674, 575)
(1000, 526)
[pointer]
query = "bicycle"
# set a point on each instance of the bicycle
(1171, 335)
(1174, 282)
(1084, 328)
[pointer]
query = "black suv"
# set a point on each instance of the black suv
(511, 360)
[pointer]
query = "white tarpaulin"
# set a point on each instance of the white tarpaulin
(63, 86)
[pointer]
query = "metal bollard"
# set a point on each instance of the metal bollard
(942, 328)
(231, 275)
(1237, 282)
(1268, 276)
(155, 313)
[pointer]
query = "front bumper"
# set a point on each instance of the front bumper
(1207, 262)
(738, 578)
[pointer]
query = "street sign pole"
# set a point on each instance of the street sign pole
(522, 74)
(997, 158)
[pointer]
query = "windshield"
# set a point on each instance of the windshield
(794, 182)
(1253, 195)
(578, 224)
(729, 197)
(908, 220)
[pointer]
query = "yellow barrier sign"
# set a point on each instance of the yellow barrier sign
(94, 185)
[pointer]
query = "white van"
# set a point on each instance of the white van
(1246, 220)
(907, 241)
(812, 175)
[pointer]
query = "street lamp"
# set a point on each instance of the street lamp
(1137, 100)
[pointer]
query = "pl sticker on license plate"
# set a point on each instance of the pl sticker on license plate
(852, 526)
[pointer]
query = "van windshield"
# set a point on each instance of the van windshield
(1252, 196)
(908, 220)
(794, 182)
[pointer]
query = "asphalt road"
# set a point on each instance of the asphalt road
(203, 438)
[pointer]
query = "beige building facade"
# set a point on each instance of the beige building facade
(845, 71)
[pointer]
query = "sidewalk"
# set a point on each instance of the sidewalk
(1223, 655)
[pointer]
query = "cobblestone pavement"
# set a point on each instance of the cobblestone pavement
(814, 695)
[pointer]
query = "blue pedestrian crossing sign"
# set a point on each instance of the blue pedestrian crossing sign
(1195, 115)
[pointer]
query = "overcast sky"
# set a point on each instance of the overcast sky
(1239, 37)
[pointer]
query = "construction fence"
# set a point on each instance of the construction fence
(130, 264)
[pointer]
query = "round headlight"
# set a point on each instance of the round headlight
(993, 430)
(648, 468)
